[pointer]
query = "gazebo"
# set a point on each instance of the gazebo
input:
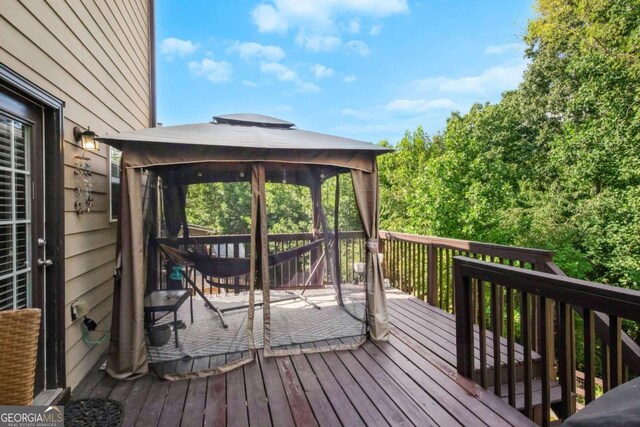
(232, 148)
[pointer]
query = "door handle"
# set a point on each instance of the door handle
(44, 263)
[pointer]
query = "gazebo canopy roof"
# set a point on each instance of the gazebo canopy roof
(242, 131)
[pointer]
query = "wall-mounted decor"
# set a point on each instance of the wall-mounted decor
(84, 185)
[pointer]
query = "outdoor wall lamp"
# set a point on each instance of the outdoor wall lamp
(86, 138)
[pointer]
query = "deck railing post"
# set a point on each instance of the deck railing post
(432, 275)
(464, 321)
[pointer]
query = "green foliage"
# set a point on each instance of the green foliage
(222, 207)
(555, 164)
(289, 208)
(225, 208)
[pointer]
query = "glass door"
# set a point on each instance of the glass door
(23, 259)
(15, 214)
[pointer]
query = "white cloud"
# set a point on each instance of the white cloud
(375, 29)
(502, 48)
(251, 50)
(354, 26)
(268, 19)
(285, 74)
(322, 72)
(306, 87)
(320, 23)
(280, 71)
(350, 78)
(359, 47)
(279, 15)
(501, 78)
(318, 43)
(214, 71)
(250, 83)
(418, 105)
(172, 47)
(356, 114)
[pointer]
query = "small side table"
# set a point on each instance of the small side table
(167, 300)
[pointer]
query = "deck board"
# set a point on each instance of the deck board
(215, 411)
(409, 381)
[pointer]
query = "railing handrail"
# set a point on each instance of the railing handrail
(246, 238)
(594, 296)
(532, 255)
(630, 349)
(547, 290)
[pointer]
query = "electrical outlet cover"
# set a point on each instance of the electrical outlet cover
(81, 308)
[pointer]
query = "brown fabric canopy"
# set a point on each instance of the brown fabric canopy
(253, 147)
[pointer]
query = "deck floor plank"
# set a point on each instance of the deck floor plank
(463, 406)
(447, 322)
(409, 381)
(368, 411)
(431, 407)
(215, 410)
(300, 408)
(344, 408)
(174, 403)
(152, 407)
(391, 405)
(257, 403)
(136, 399)
(488, 398)
(437, 402)
(280, 410)
(104, 387)
(193, 412)
(120, 391)
(446, 325)
(236, 397)
(323, 410)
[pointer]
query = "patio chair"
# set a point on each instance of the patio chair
(19, 331)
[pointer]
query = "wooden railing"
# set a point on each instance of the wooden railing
(491, 295)
(423, 265)
(293, 274)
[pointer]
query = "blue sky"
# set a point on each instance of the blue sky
(364, 69)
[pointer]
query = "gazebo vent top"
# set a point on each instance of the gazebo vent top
(247, 119)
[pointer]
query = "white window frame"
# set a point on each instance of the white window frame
(112, 180)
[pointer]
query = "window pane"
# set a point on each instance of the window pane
(6, 198)
(6, 249)
(23, 195)
(115, 200)
(5, 142)
(6, 294)
(21, 144)
(115, 158)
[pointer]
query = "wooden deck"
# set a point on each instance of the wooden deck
(410, 380)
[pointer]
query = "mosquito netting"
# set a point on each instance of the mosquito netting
(286, 263)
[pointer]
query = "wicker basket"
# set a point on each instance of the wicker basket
(19, 330)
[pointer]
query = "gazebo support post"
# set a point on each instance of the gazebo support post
(336, 235)
(316, 278)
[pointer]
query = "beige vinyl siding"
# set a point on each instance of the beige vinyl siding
(93, 55)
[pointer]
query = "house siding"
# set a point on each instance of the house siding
(95, 56)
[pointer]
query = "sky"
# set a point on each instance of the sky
(363, 69)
